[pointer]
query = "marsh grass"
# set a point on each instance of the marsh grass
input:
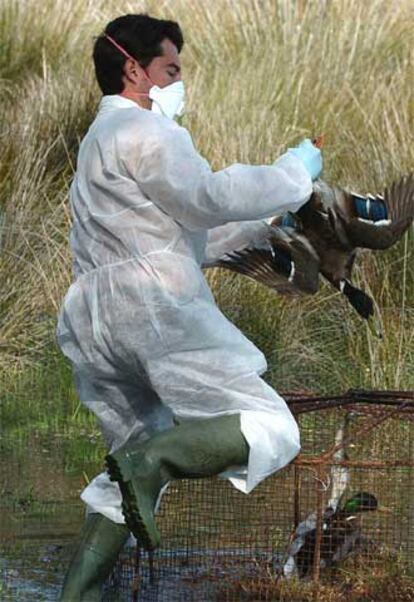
(387, 581)
(40, 413)
(260, 76)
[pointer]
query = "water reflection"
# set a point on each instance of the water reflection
(40, 517)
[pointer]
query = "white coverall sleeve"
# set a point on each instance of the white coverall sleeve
(233, 237)
(179, 181)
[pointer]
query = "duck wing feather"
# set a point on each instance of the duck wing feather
(286, 262)
(399, 201)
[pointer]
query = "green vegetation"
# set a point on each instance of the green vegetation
(384, 581)
(40, 413)
(260, 77)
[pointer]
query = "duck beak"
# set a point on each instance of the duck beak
(374, 327)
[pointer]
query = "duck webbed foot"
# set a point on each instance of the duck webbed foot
(358, 299)
(363, 304)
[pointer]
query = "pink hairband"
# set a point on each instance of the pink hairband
(119, 47)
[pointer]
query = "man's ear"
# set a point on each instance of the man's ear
(132, 71)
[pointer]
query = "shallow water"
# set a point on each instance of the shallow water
(40, 517)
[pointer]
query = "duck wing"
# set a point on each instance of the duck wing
(399, 202)
(285, 261)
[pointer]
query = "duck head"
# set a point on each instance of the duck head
(361, 502)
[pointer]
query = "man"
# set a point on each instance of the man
(163, 370)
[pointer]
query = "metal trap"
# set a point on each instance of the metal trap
(299, 525)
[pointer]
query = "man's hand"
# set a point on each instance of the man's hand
(310, 156)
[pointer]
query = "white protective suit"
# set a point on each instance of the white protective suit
(147, 341)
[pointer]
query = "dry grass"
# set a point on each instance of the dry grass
(260, 75)
(385, 581)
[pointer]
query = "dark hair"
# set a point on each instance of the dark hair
(141, 36)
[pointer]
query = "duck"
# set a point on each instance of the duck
(323, 238)
(341, 534)
(338, 480)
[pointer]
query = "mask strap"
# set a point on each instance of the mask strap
(119, 47)
(128, 56)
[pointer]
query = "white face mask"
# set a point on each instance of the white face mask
(168, 101)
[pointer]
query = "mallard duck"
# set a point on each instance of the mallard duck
(323, 238)
(341, 534)
(338, 480)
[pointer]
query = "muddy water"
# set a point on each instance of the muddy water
(40, 517)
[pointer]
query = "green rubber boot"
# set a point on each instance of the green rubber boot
(195, 449)
(101, 542)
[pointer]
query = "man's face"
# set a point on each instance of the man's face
(166, 69)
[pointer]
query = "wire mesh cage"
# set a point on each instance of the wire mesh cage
(344, 508)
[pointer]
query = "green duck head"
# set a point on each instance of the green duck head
(361, 502)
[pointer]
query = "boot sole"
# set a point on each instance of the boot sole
(120, 472)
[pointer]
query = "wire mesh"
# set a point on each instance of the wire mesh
(303, 523)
